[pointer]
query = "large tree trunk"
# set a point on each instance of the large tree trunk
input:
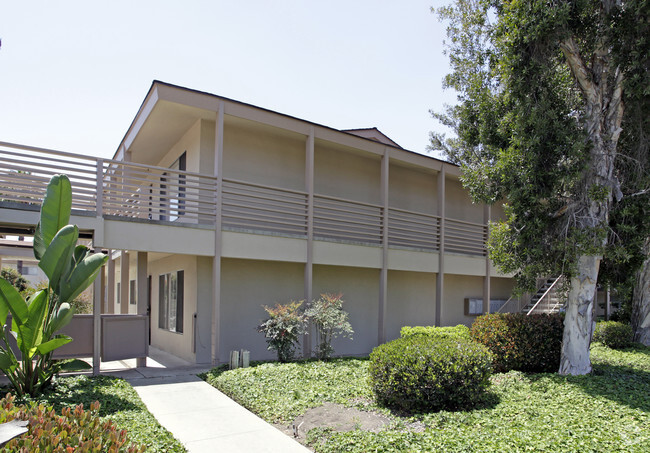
(641, 301)
(578, 323)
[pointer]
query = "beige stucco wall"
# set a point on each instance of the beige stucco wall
(458, 204)
(501, 288)
(246, 285)
(342, 174)
(456, 289)
(190, 143)
(411, 301)
(264, 157)
(179, 344)
(412, 190)
(360, 290)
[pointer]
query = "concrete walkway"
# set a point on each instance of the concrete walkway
(197, 414)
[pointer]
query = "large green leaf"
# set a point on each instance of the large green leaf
(55, 211)
(30, 332)
(60, 319)
(8, 362)
(56, 260)
(11, 300)
(7, 291)
(39, 245)
(82, 276)
(53, 344)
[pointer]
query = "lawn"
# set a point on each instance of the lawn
(606, 411)
(119, 402)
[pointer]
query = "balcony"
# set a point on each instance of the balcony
(120, 190)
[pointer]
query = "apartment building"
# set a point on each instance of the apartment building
(211, 208)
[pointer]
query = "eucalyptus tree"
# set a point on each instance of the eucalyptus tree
(540, 88)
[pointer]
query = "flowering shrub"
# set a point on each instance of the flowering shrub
(75, 430)
(519, 342)
(283, 329)
(327, 315)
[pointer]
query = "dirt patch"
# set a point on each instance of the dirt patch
(336, 417)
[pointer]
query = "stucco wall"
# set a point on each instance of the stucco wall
(456, 289)
(360, 290)
(458, 204)
(342, 174)
(411, 301)
(179, 344)
(246, 285)
(412, 190)
(264, 157)
(190, 143)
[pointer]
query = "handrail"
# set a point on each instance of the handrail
(544, 295)
(506, 303)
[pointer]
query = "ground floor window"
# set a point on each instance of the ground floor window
(171, 289)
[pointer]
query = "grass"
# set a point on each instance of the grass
(119, 402)
(606, 411)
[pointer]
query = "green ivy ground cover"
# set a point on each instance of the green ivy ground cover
(119, 402)
(606, 411)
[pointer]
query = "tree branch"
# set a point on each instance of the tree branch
(578, 69)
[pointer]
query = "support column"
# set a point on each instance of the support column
(216, 263)
(142, 296)
(102, 281)
(440, 278)
(97, 323)
(383, 275)
(124, 283)
(110, 281)
(309, 264)
(486, 280)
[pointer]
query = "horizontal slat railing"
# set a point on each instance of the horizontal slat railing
(465, 237)
(148, 192)
(26, 170)
(157, 193)
(255, 207)
(413, 229)
(340, 219)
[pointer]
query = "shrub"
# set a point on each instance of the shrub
(283, 329)
(330, 321)
(459, 331)
(74, 430)
(613, 334)
(518, 342)
(421, 372)
(15, 278)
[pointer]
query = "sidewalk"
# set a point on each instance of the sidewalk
(197, 414)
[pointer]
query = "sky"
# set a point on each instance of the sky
(74, 73)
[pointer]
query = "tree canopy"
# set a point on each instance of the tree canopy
(550, 121)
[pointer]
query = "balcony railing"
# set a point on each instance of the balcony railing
(105, 187)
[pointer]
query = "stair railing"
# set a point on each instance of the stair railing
(548, 290)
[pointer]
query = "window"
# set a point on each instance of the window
(175, 190)
(132, 292)
(171, 289)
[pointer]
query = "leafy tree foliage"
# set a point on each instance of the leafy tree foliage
(539, 121)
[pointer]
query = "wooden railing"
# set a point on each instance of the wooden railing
(105, 187)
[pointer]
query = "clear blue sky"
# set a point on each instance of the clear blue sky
(73, 73)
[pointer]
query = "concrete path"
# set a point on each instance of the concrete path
(197, 414)
(205, 420)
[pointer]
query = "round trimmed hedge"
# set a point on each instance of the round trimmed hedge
(613, 334)
(419, 372)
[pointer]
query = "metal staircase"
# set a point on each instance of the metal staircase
(547, 299)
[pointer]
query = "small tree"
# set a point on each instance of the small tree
(70, 268)
(327, 315)
(283, 329)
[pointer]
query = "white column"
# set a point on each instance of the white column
(124, 283)
(142, 296)
(309, 264)
(487, 278)
(440, 279)
(110, 282)
(97, 323)
(383, 275)
(216, 263)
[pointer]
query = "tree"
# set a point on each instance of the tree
(538, 124)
